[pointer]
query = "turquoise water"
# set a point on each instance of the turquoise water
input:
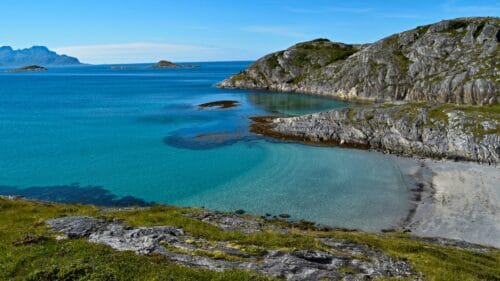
(94, 134)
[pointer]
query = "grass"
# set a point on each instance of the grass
(49, 259)
(433, 261)
(29, 251)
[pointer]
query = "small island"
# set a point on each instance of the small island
(29, 68)
(165, 64)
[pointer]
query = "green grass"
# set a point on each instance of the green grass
(29, 251)
(49, 259)
(434, 262)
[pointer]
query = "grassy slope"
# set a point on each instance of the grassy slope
(28, 251)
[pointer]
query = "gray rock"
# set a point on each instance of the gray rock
(76, 226)
(228, 221)
(347, 260)
(427, 131)
(453, 61)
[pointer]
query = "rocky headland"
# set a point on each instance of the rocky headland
(433, 91)
(452, 61)
(415, 129)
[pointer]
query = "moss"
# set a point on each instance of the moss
(402, 61)
(76, 259)
(325, 50)
(423, 29)
(239, 77)
(273, 62)
(455, 26)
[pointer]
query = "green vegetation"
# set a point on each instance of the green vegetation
(433, 261)
(454, 26)
(272, 62)
(423, 28)
(45, 258)
(328, 52)
(402, 61)
(438, 113)
(29, 251)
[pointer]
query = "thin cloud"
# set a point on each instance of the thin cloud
(276, 30)
(133, 52)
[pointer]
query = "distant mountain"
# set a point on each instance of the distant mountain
(36, 55)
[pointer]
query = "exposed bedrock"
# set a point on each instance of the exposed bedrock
(452, 61)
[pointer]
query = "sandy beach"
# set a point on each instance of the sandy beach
(457, 200)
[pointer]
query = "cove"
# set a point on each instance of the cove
(139, 133)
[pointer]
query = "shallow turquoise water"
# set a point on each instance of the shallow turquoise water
(84, 134)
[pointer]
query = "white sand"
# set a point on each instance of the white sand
(461, 200)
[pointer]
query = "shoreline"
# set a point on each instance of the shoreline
(449, 199)
(455, 200)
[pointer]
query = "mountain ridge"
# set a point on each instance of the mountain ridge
(452, 61)
(36, 55)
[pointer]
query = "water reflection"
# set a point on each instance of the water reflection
(293, 104)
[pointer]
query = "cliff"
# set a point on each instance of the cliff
(452, 61)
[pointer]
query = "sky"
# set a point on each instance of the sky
(134, 31)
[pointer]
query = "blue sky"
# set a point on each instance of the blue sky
(113, 31)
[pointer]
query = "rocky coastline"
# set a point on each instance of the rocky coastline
(413, 129)
(452, 61)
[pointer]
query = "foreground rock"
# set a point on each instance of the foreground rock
(340, 259)
(453, 61)
(29, 69)
(435, 131)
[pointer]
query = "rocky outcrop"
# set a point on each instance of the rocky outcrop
(29, 68)
(435, 131)
(453, 61)
(165, 64)
(340, 259)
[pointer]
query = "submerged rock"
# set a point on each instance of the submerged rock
(222, 104)
(29, 68)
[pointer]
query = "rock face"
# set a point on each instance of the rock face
(36, 55)
(435, 131)
(453, 61)
(340, 260)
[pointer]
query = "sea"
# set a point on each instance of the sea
(121, 135)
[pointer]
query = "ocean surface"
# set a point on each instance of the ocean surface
(135, 135)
